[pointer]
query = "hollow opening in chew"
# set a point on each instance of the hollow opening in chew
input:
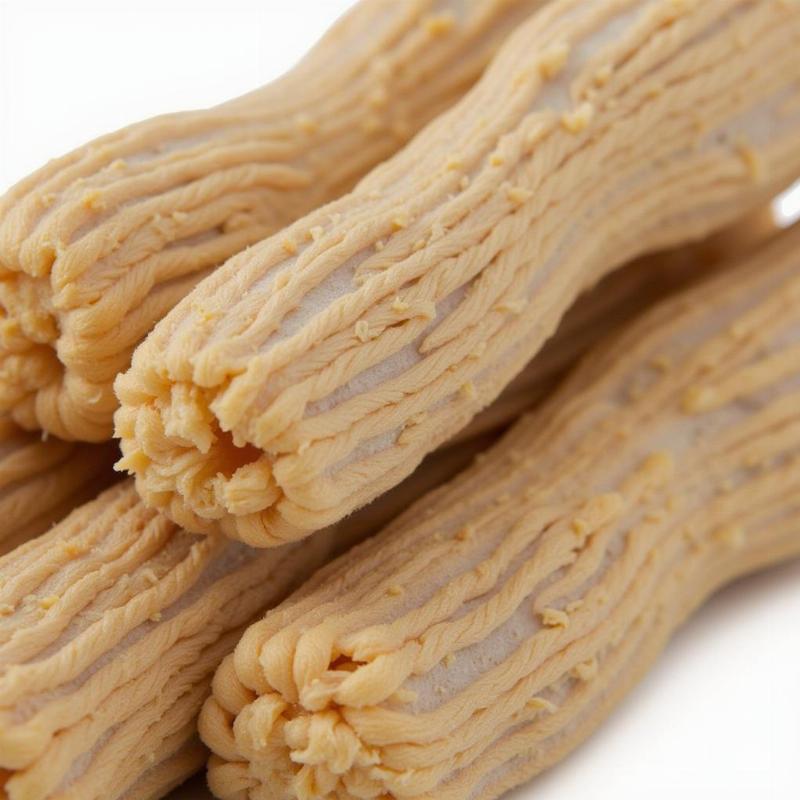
(228, 457)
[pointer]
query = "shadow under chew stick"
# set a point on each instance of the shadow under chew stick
(489, 629)
(42, 480)
(293, 387)
(98, 245)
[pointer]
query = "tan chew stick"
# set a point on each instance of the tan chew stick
(113, 527)
(617, 299)
(98, 245)
(113, 623)
(42, 480)
(182, 595)
(315, 370)
(490, 628)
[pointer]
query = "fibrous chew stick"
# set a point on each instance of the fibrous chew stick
(98, 245)
(315, 370)
(151, 610)
(42, 480)
(489, 629)
(113, 623)
(617, 299)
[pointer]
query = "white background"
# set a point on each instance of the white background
(720, 714)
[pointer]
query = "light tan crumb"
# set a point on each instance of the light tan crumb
(73, 550)
(468, 390)
(586, 671)
(93, 201)
(478, 350)
(465, 533)
(306, 124)
(401, 220)
(554, 618)
(511, 306)
(439, 24)
(553, 60)
(399, 305)
(578, 120)
(580, 526)
(404, 696)
(362, 330)
(730, 535)
(698, 399)
(519, 195)
(540, 704)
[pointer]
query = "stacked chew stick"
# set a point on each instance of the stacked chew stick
(289, 359)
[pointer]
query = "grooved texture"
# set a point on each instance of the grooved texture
(185, 599)
(292, 387)
(43, 479)
(113, 623)
(489, 629)
(98, 245)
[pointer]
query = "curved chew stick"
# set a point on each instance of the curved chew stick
(111, 628)
(617, 299)
(97, 246)
(184, 660)
(198, 595)
(484, 633)
(291, 388)
(42, 480)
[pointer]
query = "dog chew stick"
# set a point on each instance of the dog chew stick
(208, 591)
(97, 246)
(113, 623)
(292, 387)
(488, 630)
(617, 299)
(42, 480)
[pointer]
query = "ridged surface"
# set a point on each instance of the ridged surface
(111, 628)
(43, 479)
(292, 387)
(489, 629)
(118, 517)
(616, 300)
(100, 244)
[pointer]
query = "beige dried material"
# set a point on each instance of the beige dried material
(617, 299)
(278, 388)
(509, 646)
(98, 245)
(603, 308)
(113, 623)
(43, 479)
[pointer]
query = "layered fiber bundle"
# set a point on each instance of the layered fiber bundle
(617, 299)
(100, 244)
(488, 630)
(42, 480)
(118, 584)
(314, 371)
(113, 623)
